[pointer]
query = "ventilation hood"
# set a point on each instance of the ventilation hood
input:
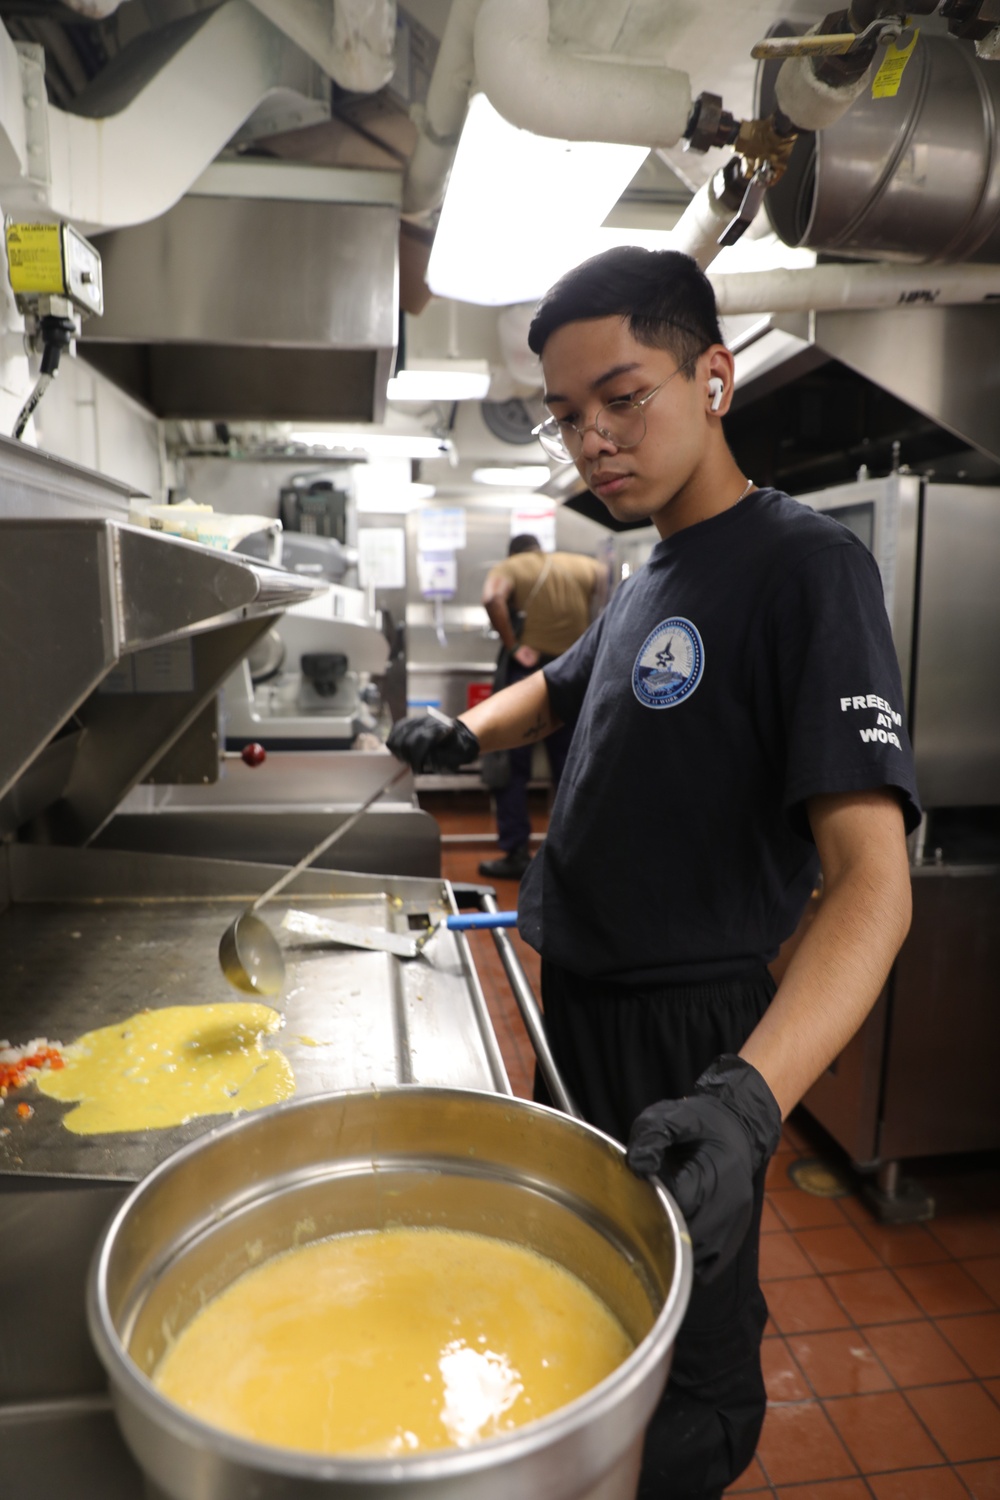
(268, 293)
(939, 360)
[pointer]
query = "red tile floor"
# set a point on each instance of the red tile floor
(882, 1354)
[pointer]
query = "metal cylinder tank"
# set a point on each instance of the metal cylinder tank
(914, 176)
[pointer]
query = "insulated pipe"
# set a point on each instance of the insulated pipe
(810, 103)
(547, 90)
(698, 229)
(364, 44)
(444, 112)
(354, 41)
(850, 288)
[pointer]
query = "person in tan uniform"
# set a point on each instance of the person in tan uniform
(539, 603)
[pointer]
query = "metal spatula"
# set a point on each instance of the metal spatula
(376, 939)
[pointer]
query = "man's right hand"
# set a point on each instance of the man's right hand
(707, 1148)
(427, 744)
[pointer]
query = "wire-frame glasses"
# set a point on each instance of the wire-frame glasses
(620, 422)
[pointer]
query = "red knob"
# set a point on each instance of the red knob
(253, 755)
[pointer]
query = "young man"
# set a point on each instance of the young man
(721, 763)
(552, 596)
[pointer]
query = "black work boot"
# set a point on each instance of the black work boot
(510, 866)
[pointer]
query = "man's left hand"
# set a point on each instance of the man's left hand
(707, 1148)
(528, 657)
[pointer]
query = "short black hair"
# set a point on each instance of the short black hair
(525, 542)
(665, 296)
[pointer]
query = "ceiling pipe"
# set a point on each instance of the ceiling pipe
(354, 41)
(809, 102)
(835, 288)
(440, 121)
(699, 227)
(547, 90)
(364, 44)
(535, 86)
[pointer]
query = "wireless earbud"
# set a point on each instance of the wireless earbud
(715, 390)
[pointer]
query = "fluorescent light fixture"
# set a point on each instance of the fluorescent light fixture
(375, 444)
(519, 206)
(523, 477)
(396, 502)
(386, 486)
(465, 381)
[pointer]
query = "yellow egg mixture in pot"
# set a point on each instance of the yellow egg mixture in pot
(392, 1342)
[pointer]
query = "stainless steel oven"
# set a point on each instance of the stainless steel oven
(918, 1079)
(938, 550)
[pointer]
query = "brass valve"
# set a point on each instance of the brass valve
(765, 148)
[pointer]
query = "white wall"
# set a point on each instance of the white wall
(85, 418)
(82, 416)
(238, 486)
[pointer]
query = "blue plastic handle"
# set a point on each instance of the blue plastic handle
(467, 920)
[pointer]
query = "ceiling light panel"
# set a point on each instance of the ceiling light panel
(517, 206)
(439, 385)
(519, 477)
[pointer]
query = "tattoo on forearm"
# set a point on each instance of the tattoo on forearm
(538, 729)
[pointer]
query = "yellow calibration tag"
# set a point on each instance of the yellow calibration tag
(34, 253)
(885, 84)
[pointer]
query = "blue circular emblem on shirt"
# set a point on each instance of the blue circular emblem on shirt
(669, 665)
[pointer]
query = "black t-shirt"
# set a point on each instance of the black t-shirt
(746, 667)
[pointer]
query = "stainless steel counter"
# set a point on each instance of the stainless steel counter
(88, 936)
(127, 931)
(280, 809)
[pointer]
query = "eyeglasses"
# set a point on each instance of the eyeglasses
(620, 422)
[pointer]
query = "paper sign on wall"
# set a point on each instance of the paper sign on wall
(437, 575)
(441, 528)
(382, 557)
(535, 520)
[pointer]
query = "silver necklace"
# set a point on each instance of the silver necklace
(745, 493)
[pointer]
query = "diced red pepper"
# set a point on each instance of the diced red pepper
(14, 1074)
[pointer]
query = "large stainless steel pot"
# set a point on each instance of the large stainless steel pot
(415, 1156)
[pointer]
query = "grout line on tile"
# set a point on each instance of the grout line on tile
(930, 1435)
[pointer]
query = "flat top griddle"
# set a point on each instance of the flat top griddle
(76, 953)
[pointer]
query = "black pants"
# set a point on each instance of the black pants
(620, 1049)
(513, 821)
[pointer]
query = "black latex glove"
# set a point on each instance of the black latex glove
(706, 1148)
(427, 744)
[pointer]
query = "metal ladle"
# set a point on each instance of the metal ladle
(249, 953)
